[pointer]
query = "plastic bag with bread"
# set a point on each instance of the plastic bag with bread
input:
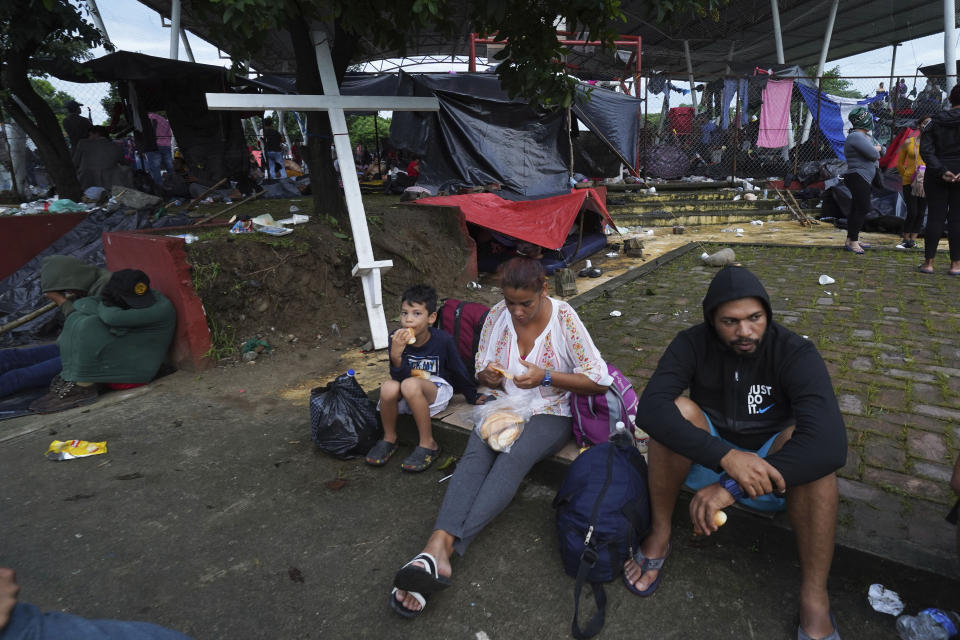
(500, 423)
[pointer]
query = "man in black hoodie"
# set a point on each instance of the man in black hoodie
(761, 419)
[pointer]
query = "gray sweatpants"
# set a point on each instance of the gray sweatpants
(485, 481)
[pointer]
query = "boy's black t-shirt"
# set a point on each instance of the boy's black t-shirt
(438, 356)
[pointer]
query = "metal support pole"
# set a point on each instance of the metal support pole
(777, 35)
(174, 29)
(473, 53)
(98, 20)
(824, 50)
(890, 93)
(186, 45)
(693, 91)
(950, 44)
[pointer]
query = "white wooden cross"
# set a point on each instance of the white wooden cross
(334, 104)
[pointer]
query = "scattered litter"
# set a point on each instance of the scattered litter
(884, 600)
(825, 280)
(721, 258)
(750, 197)
(294, 208)
(65, 205)
(615, 314)
(612, 254)
(736, 197)
(294, 219)
(70, 449)
(739, 233)
(649, 232)
(444, 478)
(256, 345)
(242, 226)
(474, 285)
(187, 237)
(273, 231)
(758, 223)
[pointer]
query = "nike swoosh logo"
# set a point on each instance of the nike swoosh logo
(764, 410)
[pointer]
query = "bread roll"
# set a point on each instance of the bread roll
(413, 337)
(504, 438)
(420, 373)
(497, 421)
(499, 368)
(720, 518)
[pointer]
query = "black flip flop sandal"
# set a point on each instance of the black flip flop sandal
(425, 581)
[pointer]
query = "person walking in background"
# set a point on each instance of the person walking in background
(273, 145)
(940, 148)
(161, 159)
(911, 168)
(75, 125)
(863, 154)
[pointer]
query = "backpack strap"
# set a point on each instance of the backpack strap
(588, 559)
(456, 323)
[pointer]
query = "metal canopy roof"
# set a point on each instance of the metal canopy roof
(861, 26)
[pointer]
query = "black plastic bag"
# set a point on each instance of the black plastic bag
(343, 421)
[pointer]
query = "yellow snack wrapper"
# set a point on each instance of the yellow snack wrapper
(71, 449)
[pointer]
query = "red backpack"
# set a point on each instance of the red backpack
(463, 320)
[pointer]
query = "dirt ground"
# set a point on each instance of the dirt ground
(299, 288)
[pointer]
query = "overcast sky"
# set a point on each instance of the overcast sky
(134, 27)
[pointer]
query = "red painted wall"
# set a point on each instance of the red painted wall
(165, 261)
(26, 236)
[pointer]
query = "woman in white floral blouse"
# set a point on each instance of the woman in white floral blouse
(541, 342)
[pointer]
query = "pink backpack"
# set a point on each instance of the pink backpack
(595, 417)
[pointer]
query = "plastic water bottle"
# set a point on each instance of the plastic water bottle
(929, 624)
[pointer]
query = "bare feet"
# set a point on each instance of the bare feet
(440, 546)
(8, 595)
(651, 548)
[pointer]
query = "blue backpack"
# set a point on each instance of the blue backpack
(603, 513)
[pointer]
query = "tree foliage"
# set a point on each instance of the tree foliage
(531, 63)
(52, 96)
(831, 82)
(364, 132)
(31, 32)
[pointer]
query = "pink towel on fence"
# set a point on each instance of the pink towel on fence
(775, 114)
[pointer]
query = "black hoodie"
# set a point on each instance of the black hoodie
(748, 398)
(940, 143)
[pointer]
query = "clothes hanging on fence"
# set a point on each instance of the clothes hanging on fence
(731, 87)
(710, 99)
(775, 114)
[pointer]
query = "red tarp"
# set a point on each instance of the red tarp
(543, 222)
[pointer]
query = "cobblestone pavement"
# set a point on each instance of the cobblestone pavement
(891, 339)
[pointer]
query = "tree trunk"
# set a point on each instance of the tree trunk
(42, 128)
(327, 195)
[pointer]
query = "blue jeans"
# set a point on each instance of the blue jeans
(27, 368)
(161, 159)
(275, 168)
(700, 476)
(27, 622)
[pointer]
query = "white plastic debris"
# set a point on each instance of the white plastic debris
(749, 196)
(187, 237)
(615, 314)
(825, 280)
(294, 208)
(736, 197)
(649, 232)
(294, 219)
(757, 223)
(884, 600)
(612, 254)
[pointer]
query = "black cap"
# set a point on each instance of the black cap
(132, 286)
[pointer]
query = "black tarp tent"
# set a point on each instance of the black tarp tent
(212, 142)
(481, 136)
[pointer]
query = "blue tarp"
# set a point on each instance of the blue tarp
(833, 111)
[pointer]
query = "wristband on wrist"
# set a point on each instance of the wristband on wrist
(731, 486)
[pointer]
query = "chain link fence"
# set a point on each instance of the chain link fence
(765, 126)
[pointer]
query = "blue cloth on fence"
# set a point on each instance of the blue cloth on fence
(833, 112)
(27, 622)
(731, 86)
(28, 367)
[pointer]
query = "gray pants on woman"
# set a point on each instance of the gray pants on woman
(486, 481)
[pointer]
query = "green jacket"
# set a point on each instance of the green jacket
(100, 343)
